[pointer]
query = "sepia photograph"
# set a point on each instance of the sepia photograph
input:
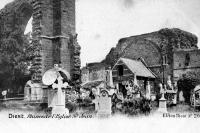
(99, 66)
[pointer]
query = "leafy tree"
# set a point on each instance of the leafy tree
(15, 59)
(188, 82)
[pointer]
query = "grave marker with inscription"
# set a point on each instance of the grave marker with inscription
(104, 104)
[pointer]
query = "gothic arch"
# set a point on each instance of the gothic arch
(25, 12)
(48, 31)
(145, 49)
(15, 16)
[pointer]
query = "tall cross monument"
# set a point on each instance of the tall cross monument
(60, 102)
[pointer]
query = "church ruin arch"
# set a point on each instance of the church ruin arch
(54, 45)
(25, 12)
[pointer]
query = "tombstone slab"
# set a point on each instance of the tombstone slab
(148, 90)
(4, 93)
(104, 105)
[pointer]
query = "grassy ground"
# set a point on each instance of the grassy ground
(22, 106)
(182, 108)
(19, 106)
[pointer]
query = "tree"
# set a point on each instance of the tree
(187, 82)
(15, 58)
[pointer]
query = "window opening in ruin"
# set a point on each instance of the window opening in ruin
(187, 59)
(121, 70)
(28, 29)
(28, 36)
(165, 60)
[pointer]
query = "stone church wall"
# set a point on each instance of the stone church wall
(180, 62)
(53, 33)
(155, 48)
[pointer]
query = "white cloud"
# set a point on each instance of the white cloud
(113, 20)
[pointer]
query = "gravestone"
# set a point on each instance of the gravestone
(4, 93)
(33, 92)
(181, 97)
(148, 90)
(104, 105)
(27, 91)
(96, 100)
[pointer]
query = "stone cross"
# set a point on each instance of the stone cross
(59, 86)
(60, 104)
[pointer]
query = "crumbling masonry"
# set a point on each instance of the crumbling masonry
(53, 33)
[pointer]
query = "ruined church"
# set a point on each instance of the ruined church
(53, 34)
(167, 54)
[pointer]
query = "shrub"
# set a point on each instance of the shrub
(71, 106)
(135, 106)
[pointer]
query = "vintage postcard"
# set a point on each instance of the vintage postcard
(99, 66)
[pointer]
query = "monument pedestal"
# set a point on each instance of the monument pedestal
(104, 114)
(60, 110)
(162, 105)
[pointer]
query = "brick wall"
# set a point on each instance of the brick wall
(180, 59)
(92, 72)
(54, 32)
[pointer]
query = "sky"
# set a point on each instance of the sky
(101, 23)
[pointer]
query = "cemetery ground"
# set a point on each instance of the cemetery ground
(21, 106)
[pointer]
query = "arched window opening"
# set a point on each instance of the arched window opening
(187, 59)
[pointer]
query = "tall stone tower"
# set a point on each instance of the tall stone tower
(54, 37)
